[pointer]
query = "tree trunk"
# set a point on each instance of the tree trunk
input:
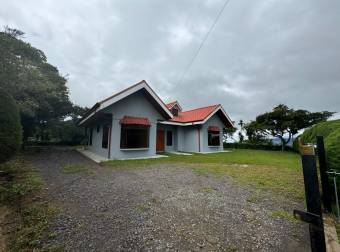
(283, 143)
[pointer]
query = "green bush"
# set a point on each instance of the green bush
(332, 145)
(10, 127)
(254, 146)
(321, 129)
(296, 145)
(330, 130)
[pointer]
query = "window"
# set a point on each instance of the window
(91, 133)
(174, 111)
(169, 138)
(134, 136)
(105, 139)
(213, 138)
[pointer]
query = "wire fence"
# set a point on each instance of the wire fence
(335, 176)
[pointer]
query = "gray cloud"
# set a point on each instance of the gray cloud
(259, 54)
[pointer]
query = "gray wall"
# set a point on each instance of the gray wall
(187, 138)
(133, 105)
(172, 128)
(213, 121)
(96, 146)
(191, 139)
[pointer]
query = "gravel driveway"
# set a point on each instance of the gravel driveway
(160, 207)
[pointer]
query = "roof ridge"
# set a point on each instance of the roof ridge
(215, 105)
(171, 102)
(121, 91)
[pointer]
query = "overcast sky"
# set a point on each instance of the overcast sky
(260, 53)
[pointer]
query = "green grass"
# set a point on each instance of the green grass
(25, 181)
(30, 183)
(34, 227)
(283, 214)
(257, 157)
(282, 181)
(279, 172)
(143, 207)
(207, 190)
(34, 214)
(74, 168)
(337, 227)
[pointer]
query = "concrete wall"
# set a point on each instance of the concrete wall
(96, 146)
(134, 105)
(191, 136)
(172, 128)
(186, 139)
(213, 121)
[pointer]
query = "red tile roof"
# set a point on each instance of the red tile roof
(171, 104)
(194, 115)
(135, 120)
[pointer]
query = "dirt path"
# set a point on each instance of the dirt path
(161, 207)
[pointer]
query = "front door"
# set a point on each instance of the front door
(160, 141)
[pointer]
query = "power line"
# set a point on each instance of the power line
(203, 41)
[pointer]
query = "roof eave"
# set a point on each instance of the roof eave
(122, 94)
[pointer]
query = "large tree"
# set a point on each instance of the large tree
(228, 133)
(10, 128)
(284, 122)
(38, 88)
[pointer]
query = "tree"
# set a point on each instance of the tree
(240, 133)
(228, 133)
(10, 128)
(37, 87)
(283, 121)
(15, 33)
(67, 131)
(254, 135)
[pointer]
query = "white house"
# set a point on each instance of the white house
(137, 123)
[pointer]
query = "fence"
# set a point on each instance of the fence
(317, 205)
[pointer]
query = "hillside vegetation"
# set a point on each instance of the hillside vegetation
(330, 130)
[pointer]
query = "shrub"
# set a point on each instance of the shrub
(332, 145)
(10, 127)
(255, 146)
(321, 129)
(296, 145)
(330, 130)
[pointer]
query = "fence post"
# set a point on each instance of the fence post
(313, 200)
(326, 190)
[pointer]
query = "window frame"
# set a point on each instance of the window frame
(105, 136)
(167, 138)
(211, 144)
(124, 144)
(174, 111)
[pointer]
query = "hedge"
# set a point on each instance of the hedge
(10, 127)
(330, 130)
(321, 129)
(332, 145)
(255, 146)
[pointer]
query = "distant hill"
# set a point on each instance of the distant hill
(277, 141)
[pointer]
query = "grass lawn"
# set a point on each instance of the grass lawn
(279, 172)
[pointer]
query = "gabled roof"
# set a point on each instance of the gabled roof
(171, 104)
(194, 115)
(142, 85)
(200, 116)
